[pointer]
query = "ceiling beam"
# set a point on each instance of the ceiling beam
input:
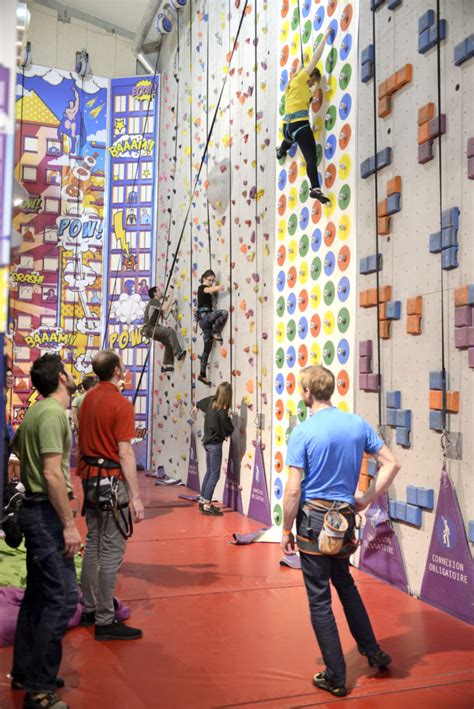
(65, 14)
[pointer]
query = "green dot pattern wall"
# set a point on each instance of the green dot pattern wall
(314, 296)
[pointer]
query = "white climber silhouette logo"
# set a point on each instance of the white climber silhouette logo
(446, 532)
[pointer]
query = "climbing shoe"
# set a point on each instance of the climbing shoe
(212, 511)
(43, 700)
(204, 380)
(317, 194)
(280, 154)
(181, 355)
(164, 370)
(322, 682)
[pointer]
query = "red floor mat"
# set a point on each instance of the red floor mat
(226, 626)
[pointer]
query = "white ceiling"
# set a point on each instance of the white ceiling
(121, 16)
(124, 13)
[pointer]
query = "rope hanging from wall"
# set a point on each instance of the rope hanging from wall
(257, 219)
(376, 197)
(444, 441)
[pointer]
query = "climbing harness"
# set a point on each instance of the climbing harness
(337, 536)
(102, 492)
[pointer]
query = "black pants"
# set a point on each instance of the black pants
(317, 572)
(301, 132)
(210, 324)
(50, 599)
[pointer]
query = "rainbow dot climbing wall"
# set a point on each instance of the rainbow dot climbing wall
(314, 291)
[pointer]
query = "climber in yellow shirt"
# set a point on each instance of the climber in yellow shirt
(296, 125)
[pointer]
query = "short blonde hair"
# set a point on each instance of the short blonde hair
(319, 381)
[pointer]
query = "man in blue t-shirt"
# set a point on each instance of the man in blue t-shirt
(324, 459)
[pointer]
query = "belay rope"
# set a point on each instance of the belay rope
(377, 272)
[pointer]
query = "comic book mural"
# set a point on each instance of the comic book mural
(129, 266)
(56, 278)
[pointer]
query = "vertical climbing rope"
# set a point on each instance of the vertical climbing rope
(208, 211)
(78, 211)
(440, 177)
(256, 217)
(301, 36)
(231, 254)
(376, 187)
(191, 15)
(206, 147)
(175, 156)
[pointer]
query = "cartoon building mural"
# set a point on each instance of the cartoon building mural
(56, 278)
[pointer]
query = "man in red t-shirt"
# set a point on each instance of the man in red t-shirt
(107, 427)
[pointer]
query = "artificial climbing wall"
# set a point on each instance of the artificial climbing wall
(314, 246)
(235, 237)
(409, 197)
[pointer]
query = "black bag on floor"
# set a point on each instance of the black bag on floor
(14, 494)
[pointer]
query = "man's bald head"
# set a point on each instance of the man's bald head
(105, 363)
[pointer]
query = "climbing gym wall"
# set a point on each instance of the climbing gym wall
(425, 274)
(56, 274)
(314, 245)
(211, 81)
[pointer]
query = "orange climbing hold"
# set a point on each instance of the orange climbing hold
(385, 294)
(394, 186)
(415, 306)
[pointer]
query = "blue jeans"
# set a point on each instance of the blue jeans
(213, 470)
(210, 324)
(318, 570)
(50, 599)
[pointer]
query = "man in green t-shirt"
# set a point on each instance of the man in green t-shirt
(43, 444)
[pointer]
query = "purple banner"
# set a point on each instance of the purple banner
(448, 579)
(259, 507)
(232, 496)
(193, 469)
(380, 552)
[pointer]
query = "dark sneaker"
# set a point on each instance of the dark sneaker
(181, 355)
(212, 511)
(317, 194)
(43, 700)
(167, 369)
(117, 631)
(204, 380)
(19, 684)
(280, 154)
(322, 682)
(87, 619)
(379, 659)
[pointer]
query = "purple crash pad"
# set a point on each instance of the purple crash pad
(10, 601)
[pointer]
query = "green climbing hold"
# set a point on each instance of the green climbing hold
(328, 353)
(344, 197)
